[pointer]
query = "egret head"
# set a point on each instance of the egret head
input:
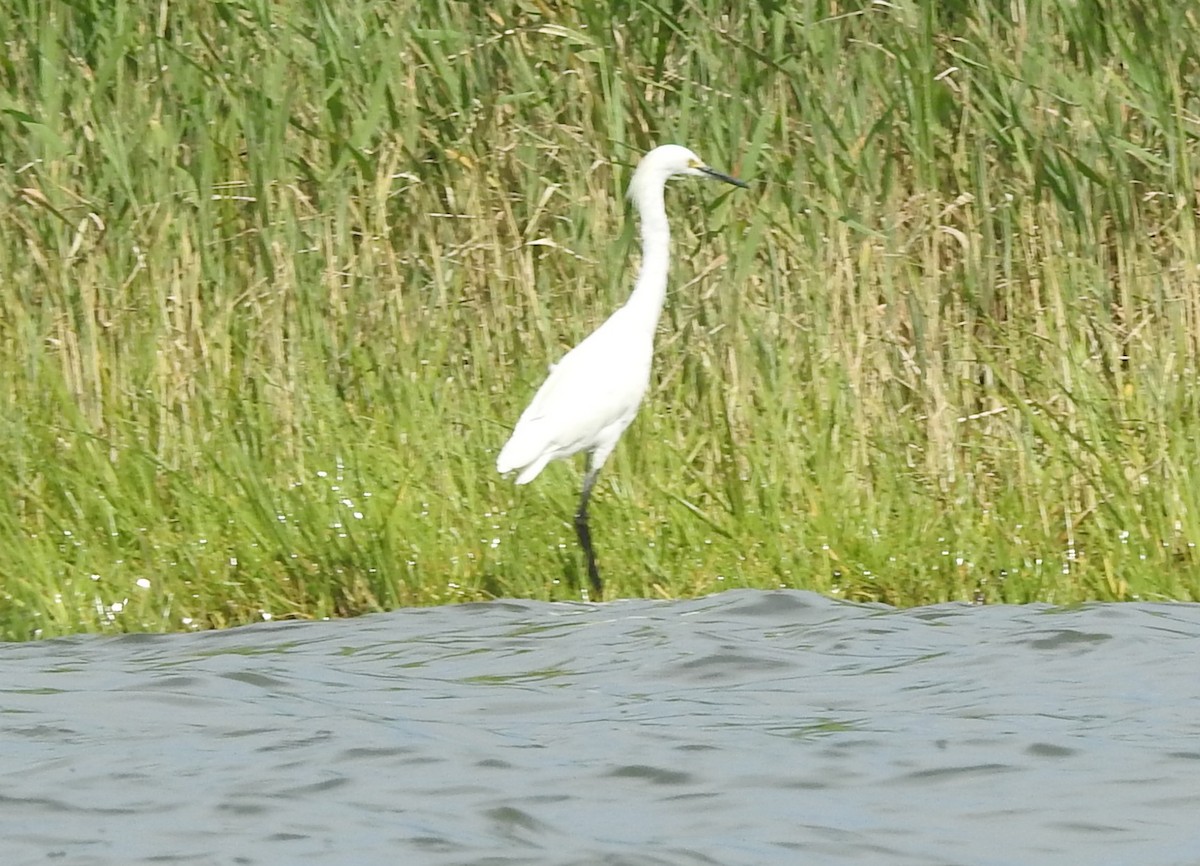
(668, 160)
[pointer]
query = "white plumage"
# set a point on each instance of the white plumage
(593, 393)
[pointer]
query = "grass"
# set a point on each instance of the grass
(278, 276)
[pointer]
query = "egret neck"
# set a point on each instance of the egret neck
(645, 304)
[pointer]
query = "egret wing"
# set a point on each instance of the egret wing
(591, 395)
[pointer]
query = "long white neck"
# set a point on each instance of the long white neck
(650, 288)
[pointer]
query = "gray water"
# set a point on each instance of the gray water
(744, 728)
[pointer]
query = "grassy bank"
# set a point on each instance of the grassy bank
(278, 276)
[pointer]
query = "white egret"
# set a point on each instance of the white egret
(593, 393)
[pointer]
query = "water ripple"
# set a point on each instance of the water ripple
(744, 728)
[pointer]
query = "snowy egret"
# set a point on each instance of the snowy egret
(592, 394)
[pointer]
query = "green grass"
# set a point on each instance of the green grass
(278, 276)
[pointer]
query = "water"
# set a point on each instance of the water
(745, 728)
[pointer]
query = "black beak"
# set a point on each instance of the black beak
(716, 175)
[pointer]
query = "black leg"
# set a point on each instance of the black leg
(585, 535)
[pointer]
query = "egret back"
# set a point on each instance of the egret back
(586, 402)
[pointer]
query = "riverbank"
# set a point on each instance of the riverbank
(277, 283)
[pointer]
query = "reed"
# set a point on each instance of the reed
(277, 276)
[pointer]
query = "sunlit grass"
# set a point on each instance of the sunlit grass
(278, 276)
